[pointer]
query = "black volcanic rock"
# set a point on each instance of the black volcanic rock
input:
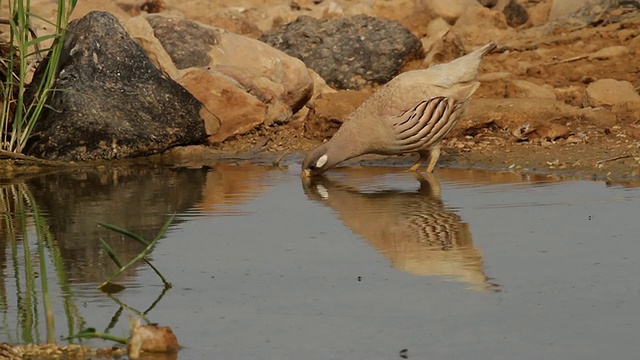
(111, 102)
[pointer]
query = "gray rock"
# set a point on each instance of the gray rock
(579, 13)
(515, 14)
(348, 52)
(111, 102)
(187, 42)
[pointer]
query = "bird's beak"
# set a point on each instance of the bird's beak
(306, 174)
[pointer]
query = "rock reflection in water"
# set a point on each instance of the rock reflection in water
(137, 199)
(229, 184)
(413, 229)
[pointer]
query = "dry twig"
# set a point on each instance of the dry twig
(613, 159)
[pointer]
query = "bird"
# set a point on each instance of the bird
(411, 113)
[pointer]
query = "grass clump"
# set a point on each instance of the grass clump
(20, 53)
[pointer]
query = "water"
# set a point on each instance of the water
(362, 264)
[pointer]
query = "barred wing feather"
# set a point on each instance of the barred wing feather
(426, 123)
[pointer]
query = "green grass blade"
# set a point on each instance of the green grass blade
(110, 252)
(144, 252)
(124, 232)
(40, 39)
(165, 227)
(91, 333)
(167, 284)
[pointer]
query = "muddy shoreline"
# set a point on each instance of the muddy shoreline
(613, 162)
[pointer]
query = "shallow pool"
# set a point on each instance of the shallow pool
(366, 263)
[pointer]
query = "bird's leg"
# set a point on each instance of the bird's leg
(434, 154)
(423, 157)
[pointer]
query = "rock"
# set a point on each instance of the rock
(111, 102)
(571, 95)
(444, 47)
(609, 52)
(187, 42)
(479, 25)
(142, 33)
(238, 110)
(450, 10)
(329, 111)
(254, 77)
(433, 44)
(573, 14)
(539, 13)
(488, 3)
(564, 8)
(526, 89)
(607, 92)
(549, 131)
(150, 338)
(395, 10)
(515, 14)
(279, 14)
(547, 118)
(600, 117)
(234, 21)
(418, 20)
(628, 112)
(437, 27)
(347, 52)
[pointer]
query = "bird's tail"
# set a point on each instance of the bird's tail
(485, 49)
(465, 68)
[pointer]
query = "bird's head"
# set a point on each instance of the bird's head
(317, 161)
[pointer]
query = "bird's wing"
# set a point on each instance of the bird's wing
(425, 124)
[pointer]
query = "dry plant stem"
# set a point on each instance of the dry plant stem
(613, 159)
(31, 31)
(565, 61)
(9, 155)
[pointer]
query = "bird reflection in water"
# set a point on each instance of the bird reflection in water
(413, 229)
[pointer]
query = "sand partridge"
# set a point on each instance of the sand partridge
(411, 113)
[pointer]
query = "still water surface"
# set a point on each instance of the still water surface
(362, 264)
